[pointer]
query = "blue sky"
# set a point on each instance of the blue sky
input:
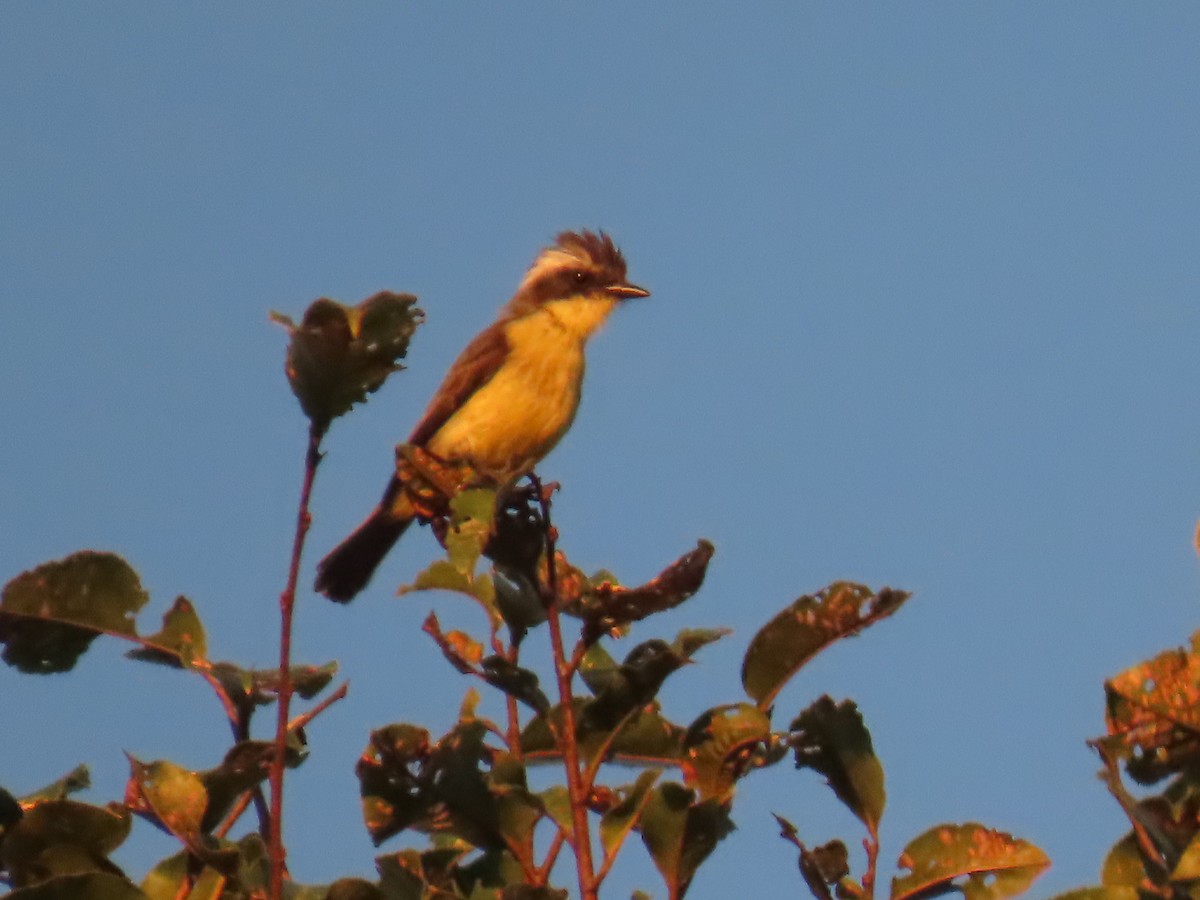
(924, 315)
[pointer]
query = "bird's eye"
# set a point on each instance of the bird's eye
(579, 276)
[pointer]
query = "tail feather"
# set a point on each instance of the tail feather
(349, 566)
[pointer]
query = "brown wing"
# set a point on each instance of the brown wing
(473, 369)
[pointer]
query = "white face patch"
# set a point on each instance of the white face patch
(554, 259)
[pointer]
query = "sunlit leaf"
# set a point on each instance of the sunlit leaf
(180, 641)
(51, 614)
(680, 833)
(164, 881)
(806, 627)
(1123, 865)
(983, 863)
(339, 354)
(722, 745)
(460, 649)
(1154, 709)
(832, 740)
(168, 796)
(1101, 893)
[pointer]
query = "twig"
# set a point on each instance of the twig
(303, 719)
(871, 845)
(287, 602)
(577, 791)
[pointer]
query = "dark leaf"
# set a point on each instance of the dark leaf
(516, 682)
(245, 766)
(607, 606)
(647, 738)
(633, 686)
(832, 740)
(810, 624)
(982, 863)
(340, 354)
(63, 837)
(50, 615)
(88, 886)
(529, 892)
(623, 817)
(395, 790)
(354, 889)
(680, 834)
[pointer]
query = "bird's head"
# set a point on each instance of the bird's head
(579, 280)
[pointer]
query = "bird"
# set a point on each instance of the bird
(508, 398)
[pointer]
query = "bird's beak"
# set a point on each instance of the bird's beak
(623, 290)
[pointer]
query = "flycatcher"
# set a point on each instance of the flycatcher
(509, 397)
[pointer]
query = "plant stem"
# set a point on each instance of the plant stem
(577, 789)
(287, 603)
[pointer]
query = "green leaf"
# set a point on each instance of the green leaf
(647, 738)
(1123, 866)
(166, 878)
(680, 834)
(722, 745)
(598, 669)
(832, 740)
(688, 641)
(63, 837)
(78, 779)
(556, 801)
(806, 627)
(89, 886)
(50, 615)
(622, 818)
(168, 796)
(180, 641)
(250, 688)
(1100, 893)
(982, 863)
(339, 354)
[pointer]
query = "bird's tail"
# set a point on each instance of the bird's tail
(350, 565)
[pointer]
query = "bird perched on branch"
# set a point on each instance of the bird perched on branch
(509, 397)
